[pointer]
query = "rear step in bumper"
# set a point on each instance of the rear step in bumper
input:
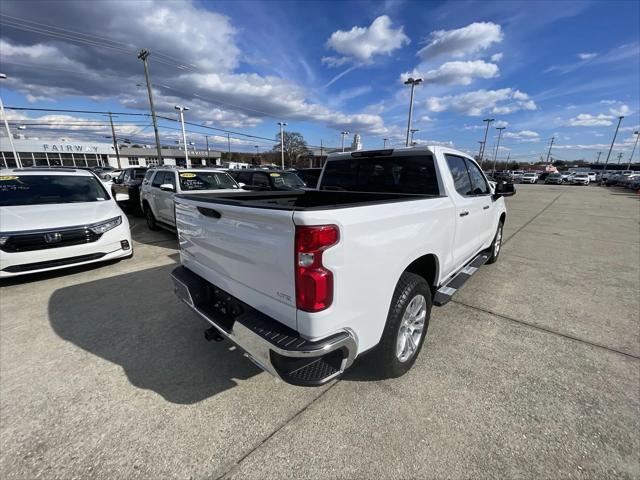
(273, 346)
(448, 290)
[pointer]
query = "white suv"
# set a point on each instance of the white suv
(161, 184)
(53, 218)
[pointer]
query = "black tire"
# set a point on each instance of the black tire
(497, 242)
(385, 356)
(150, 218)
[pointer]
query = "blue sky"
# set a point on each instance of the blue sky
(542, 69)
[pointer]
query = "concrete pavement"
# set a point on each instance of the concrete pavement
(532, 371)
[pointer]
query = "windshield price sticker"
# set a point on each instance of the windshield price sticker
(5, 178)
(188, 175)
(274, 174)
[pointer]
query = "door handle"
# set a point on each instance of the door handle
(486, 207)
(209, 212)
(464, 214)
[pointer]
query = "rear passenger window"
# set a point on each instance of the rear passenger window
(461, 178)
(158, 179)
(244, 177)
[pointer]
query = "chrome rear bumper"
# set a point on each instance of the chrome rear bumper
(273, 346)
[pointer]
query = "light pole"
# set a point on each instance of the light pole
(598, 159)
(480, 152)
(413, 130)
(495, 156)
(182, 109)
(6, 125)
(257, 149)
(549, 152)
(484, 143)
(344, 134)
(282, 125)
(385, 142)
(413, 82)
(612, 142)
(206, 139)
(619, 157)
(144, 56)
(637, 134)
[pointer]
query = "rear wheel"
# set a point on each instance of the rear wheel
(406, 326)
(496, 246)
(150, 218)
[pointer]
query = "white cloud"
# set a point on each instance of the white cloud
(503, 101)
(501, 123)
(462, 41)
(587, 56)
(496, 57)
(334, 62)
(523, 136)
(621, 111)
(588, 120)
(363, 43)
(461, 73)
(609, 102)
(425, 119)
(194, 56)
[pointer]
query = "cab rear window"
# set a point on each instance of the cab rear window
(401, 174)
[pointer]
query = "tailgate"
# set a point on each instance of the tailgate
(246, 251)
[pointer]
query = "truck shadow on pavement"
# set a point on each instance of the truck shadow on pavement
(135, 321)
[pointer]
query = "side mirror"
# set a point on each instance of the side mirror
(167, 187)
(504, 189)
(117, 180)
(241, 185)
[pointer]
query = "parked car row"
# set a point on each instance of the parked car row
(624, 178)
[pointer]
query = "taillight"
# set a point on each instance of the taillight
(314, 283)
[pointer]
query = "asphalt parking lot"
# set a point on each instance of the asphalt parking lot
(533, 371)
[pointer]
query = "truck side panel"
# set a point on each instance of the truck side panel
(376, 245)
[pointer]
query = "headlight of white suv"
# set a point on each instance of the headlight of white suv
(100, 228)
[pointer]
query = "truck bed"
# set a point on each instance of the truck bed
(306, 200)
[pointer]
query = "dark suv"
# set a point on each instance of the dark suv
(126, 187)
(267, 179)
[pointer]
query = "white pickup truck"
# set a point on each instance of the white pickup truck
(304, 282)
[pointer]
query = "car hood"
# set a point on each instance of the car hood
(36, 217)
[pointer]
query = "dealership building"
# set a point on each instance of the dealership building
(70, 153)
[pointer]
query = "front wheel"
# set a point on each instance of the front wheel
(496, 246)
(406, 326)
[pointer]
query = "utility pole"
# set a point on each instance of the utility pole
(549, 152)
(344, 134)
(6, 125)
(619, 157)
(612, 143)
(637, 134)
(144, 56)
(413, 82)
(598, 159)
(385, 142)
(206, 139)
(484, 143)
(115, 141)
(321, 161)
(495, 155)
(228, 147)
(182, 109)
(282, 125)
